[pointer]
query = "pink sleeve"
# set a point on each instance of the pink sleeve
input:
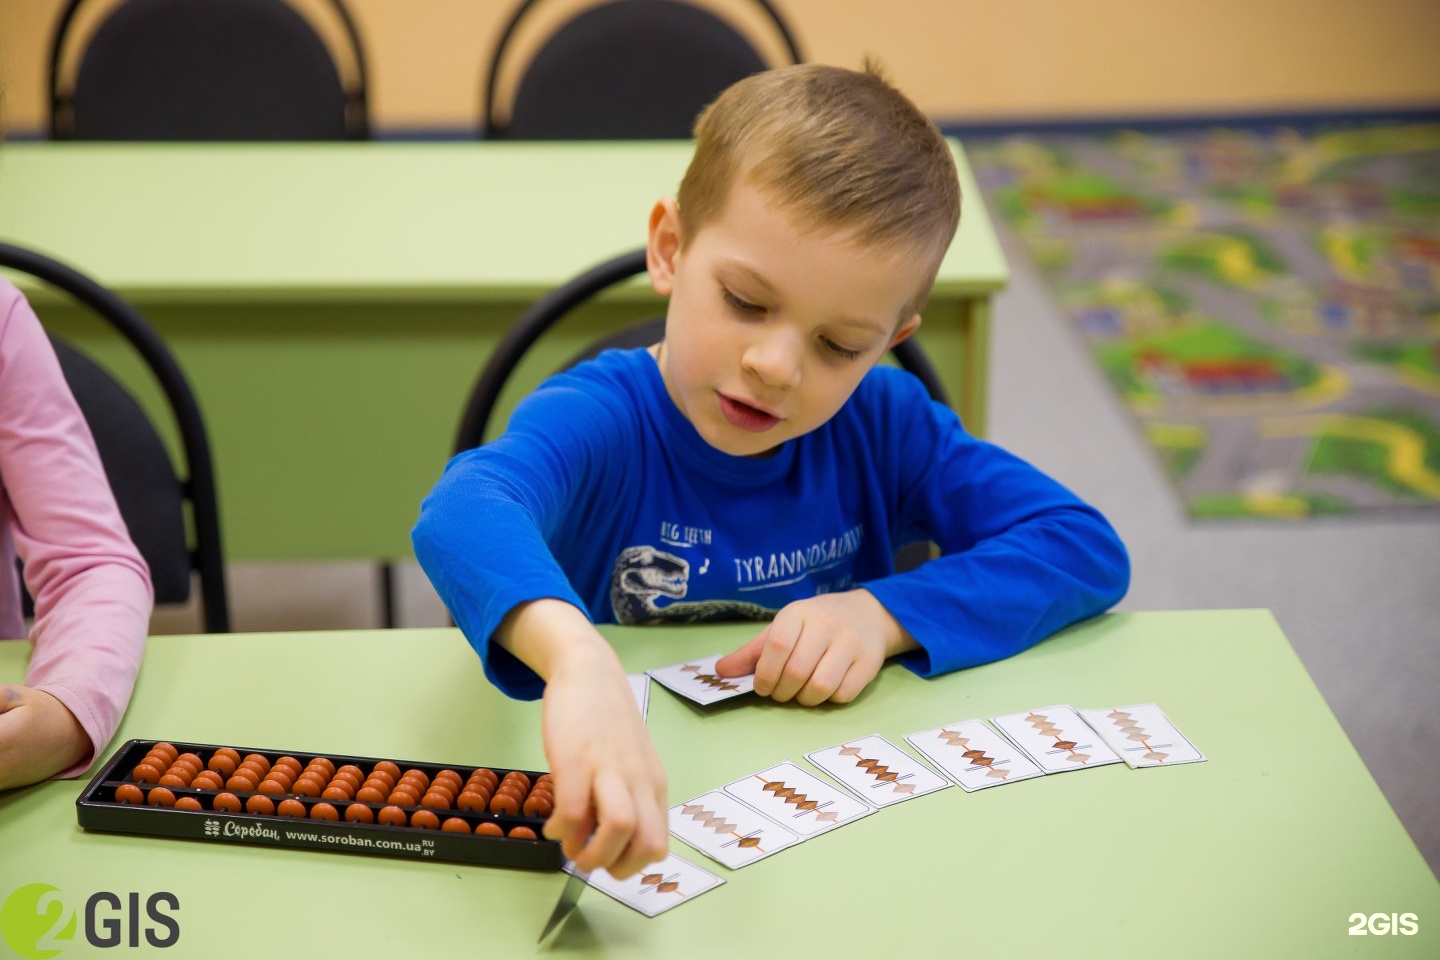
(91, 587)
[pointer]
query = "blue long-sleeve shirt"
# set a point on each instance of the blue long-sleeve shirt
(602, 494)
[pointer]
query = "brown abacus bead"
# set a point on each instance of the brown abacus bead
(370, 795)
(230, 753)
(257, 758)
(169, 750)
(425, 820)
(272, 787)
(455, 825)
(359, 813)
(390, 768)
(511, 789)
(478, 779)
(435, 800)
(146, 772)
(504, 803)
(160, 797)
(188, 803)
(281, 775)
(324, 811)
(417, 784)
(289, 763)
(487, 828)
(208, 780)
(350, 770)
(538, 806)
(420, 775)
(226, 803)
(240, 783)
(223, 764)
(261, 804)
(129, 793)
(392, 816)
(251, 771)
(307, 786)
(175, 779)
(522, 833)
(323, 763)
(471, 801)
(339, 791)
(450, 776)
(381, 780)
(190, 760)
(404, 797)
(517, 777)
(291, 808)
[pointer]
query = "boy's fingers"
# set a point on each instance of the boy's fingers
(824, 680)
(802, 659)
(9, 696)
(742, 661)
(649, 843)
(616, 815)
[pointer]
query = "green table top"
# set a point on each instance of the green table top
(402, 221)
(1265, 850)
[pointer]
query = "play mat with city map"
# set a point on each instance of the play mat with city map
(1266, 302)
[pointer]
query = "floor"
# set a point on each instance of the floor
(1358, 598)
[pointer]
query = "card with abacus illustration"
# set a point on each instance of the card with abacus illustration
(727, 831)
(664, 884)
(640, 687)
(877, 771)
(973, 755)
(1056, 738)
(696, 680)
(1143, 736)
(799, 800)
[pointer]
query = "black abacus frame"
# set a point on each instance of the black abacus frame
(96, 809)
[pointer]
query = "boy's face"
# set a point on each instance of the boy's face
(771, 327)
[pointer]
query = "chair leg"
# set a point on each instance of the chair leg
(389, 589)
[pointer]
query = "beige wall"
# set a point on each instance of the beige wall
(959, 59)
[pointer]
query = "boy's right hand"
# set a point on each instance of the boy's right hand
(610, 788)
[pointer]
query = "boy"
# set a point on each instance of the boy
(755, 463)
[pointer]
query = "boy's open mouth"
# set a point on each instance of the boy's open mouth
(746, 417)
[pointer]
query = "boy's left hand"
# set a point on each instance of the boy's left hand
(822, 648)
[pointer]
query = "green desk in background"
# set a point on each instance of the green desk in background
(333, 304)
(1265, 850)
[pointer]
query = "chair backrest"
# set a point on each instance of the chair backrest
(623, 70)
(151, 497)
(206, 70)
(548, 310)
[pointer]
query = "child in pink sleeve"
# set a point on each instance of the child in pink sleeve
(91, 587)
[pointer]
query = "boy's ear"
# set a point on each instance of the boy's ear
(663, 245)
(906, 328)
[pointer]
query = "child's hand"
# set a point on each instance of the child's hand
(822, 648)
(610, 789)
(39, 737)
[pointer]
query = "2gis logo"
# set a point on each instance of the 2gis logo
(36, 922)
(1381, 924)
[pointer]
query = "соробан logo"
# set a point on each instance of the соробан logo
(36, 923)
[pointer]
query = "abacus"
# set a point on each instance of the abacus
(366, 805)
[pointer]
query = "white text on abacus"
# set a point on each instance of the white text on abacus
(1381, 924)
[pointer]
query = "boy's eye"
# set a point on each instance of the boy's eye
(744, 306)
(838, 350)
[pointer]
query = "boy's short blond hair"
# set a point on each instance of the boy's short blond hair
(840, 149)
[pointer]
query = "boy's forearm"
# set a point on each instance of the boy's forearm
(548, 635)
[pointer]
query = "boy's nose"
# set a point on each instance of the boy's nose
(774, 359)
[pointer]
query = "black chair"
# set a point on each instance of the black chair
(623, 70)
(152, 499)
(206, 70)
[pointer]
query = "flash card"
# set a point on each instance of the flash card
(727, 831)
(798, 800)
(973, 755)
(1056, 738)
(1143, 736)
(877, 770)
(696, 680)
(640, 686)
(664, 884)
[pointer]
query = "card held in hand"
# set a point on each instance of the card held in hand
(1143, 736)
(696, 680)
